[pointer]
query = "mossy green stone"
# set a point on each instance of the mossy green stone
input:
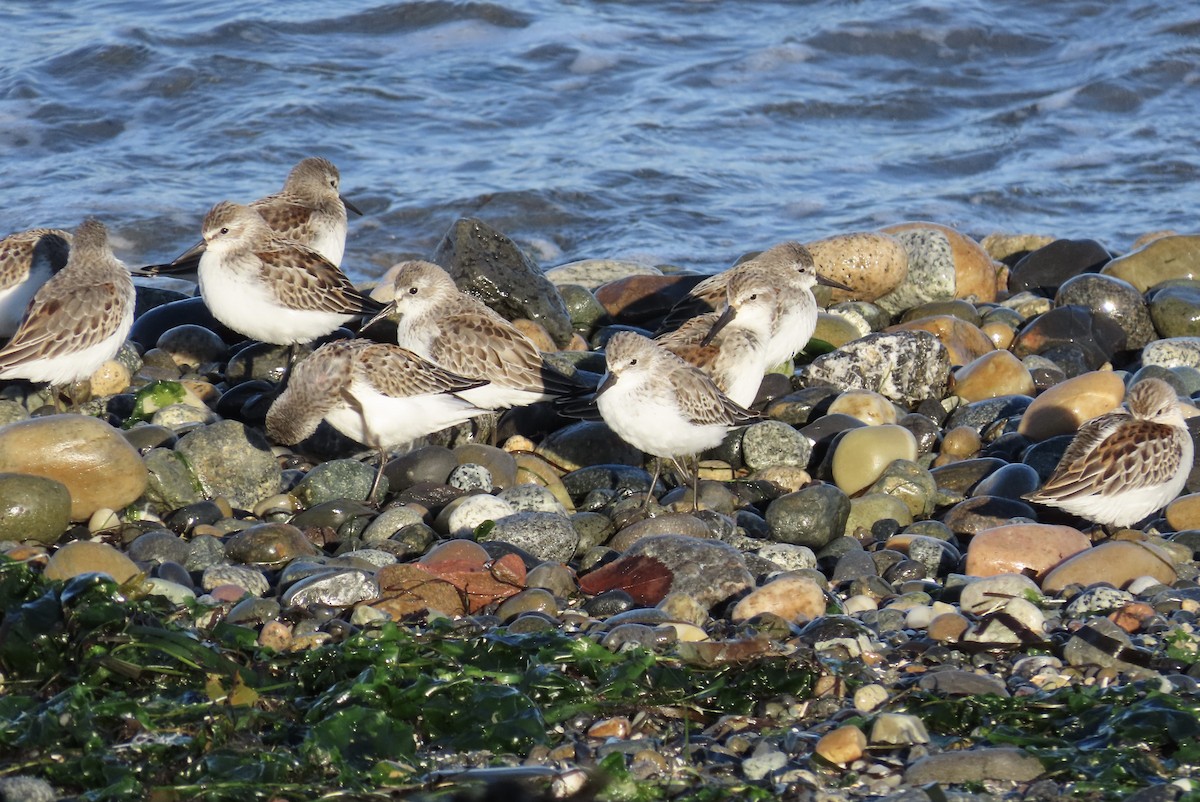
(33, 508)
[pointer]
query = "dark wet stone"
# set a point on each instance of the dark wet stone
(929, 528)
(342, 478)
(1117, 299)
(430, 496)
(1094, 336)
(148, 327)
(148, 435)
(191, 346)
(253, 611)
(799, 407)
(270, 544)
(774, 386)
(906, 571)
(430, 464)
(926, 431)
(644, 300)
(587, 443)
(937, 556)
(1049, 267)
(1175, 309)
(1007, 447)
(159, 546)
(981, 415)
(609, 603)
(1163, 374)
(332, 514)
(546, 535)
(1011, 481)
(1189, 538)
(531, 622)
(961, 476)
(984, 512)
(185, 519)
(491, 267)
(174, 572)
(853, 564)
(1044, 457)
(624, 479)
(33, 508)
(833, 628)
(1044, 372)
(811, 517)
(904, 366)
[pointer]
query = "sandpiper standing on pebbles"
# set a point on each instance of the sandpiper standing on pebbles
(309, 210)
(379, 394)
(1124, 465)
(78, 319)
(27, 261)
(794, 273)
(461, 334)
(732, 349)
(270, 288)
(661, 405)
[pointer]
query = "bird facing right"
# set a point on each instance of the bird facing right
(660, 404)
(1126, 464)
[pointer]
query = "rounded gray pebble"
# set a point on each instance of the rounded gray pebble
(471, 476)
(250, 580)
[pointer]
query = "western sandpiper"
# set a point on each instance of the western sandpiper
(78, 319)
(661, 405)
(794, 273)
(460, 333)
(379, 394)
(732, 348)
(270, 288)
(1124, 465)
(309, 210)
(27, 261)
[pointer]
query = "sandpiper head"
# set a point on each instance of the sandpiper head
(317, 179)
(786, 254)
(228, 224)
(90, 237)
(628, 352)
(1154, 400)
(419, 284)
(751, 295)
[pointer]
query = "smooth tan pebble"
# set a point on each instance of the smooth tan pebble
(537, 333)
(1001, 335)
(1066, 406)
(110, 378)
(792, 597)
(843, 745)
(863, 454)
(1117, 562)
(869, 407)
(1184, 512)
(835, 330)
(84, 556)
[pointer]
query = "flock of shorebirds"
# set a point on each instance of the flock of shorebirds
(270, 271)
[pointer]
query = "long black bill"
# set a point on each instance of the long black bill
(729, 314)
(828, 282)
(351, 206)
(186, 262)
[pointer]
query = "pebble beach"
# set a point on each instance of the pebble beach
(869, 533)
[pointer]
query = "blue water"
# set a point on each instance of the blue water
(681, 132)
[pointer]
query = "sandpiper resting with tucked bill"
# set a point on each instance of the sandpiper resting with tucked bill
(77, 320)
(1126, 464)
(381, 395)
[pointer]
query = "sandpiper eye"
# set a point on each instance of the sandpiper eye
(412, 290)
(632, 362)
(225, 230)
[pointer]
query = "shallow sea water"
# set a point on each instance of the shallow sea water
(679, 132)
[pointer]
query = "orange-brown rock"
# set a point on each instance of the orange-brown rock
(407, 588)
(870, 263)
(992, 375)
(1184, 512)
(85, 557)
(1066, 406)
(843, 745)
(640, 298)
(535, 332)
(965, 341)
(1023, 549)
